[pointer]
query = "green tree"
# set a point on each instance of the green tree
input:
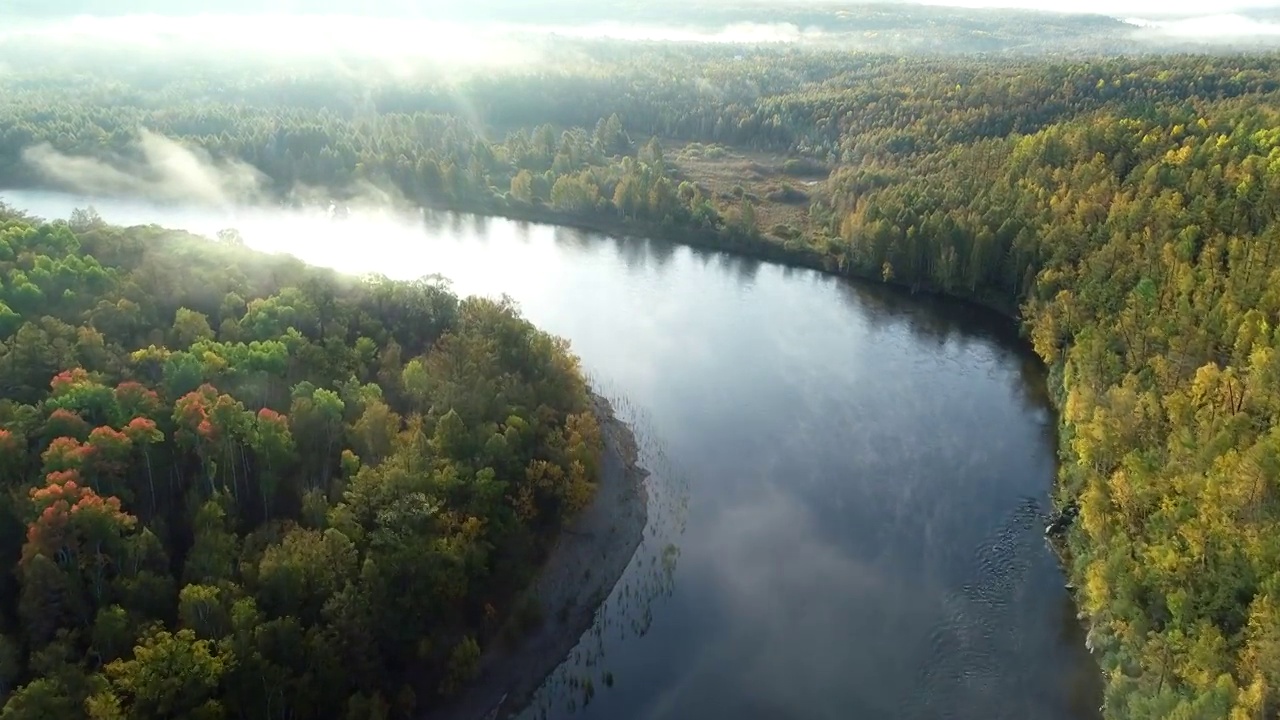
(169, 675)
(190, 327)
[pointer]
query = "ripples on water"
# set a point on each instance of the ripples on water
(963, 666)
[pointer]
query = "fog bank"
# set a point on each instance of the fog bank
(160, 168)
(1114, 8)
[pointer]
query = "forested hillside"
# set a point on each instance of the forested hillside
(1127, 207)
(236, 486)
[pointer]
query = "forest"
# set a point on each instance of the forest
(239, 487)
(1124, 209)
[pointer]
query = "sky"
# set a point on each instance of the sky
(428, 8)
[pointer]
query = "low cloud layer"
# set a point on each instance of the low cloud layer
(371, 48)
(740, 33)
(292, 37)
(1208, 28)
(159, 168)
(1116, 8)
(327, 35)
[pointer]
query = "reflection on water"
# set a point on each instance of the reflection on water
(848, 483)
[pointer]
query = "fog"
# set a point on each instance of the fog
(741, 33)
(1116, 8)
(345, 44)
(496, 36)
(282, 37)
(159, 168)
(1208, 27)
(167, 171)
(567, 9)
(323, 34)
(1156, 20)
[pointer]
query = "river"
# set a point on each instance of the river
(849, 483)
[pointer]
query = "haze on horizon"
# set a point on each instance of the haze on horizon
(490, 33)
(429, 8)
(1111, 8)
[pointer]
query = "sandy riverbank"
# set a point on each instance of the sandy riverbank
(579, 574)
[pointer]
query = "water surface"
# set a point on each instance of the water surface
(849, 483)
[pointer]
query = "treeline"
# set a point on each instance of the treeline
(503, 142)
(238, 487)
(597, 174)
(832, 106)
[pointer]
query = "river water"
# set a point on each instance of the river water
(849, 484)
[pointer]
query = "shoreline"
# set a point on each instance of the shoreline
(580, 572)
(762, 248)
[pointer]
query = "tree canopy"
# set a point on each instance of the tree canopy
(313, 508)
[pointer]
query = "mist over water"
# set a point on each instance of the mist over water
(850, 483)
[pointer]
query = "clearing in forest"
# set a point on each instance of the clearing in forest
(779, 188)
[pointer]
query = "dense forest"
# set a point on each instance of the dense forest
(237, 486)
(1125, 209)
